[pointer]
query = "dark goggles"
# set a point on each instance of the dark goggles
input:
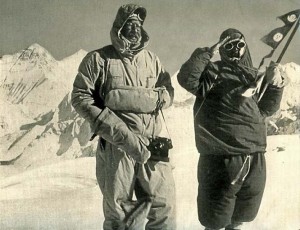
(231, 45)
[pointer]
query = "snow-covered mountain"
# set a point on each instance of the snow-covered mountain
(23, 72)
(32, 82)
(287, 118)
(70, 64)
(33, 89)
(36, 109)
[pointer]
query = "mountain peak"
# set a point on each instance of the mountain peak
(293, 65)
(81, 51)
(36, 46)
(34, 55)
(74, 58)
(36, 51)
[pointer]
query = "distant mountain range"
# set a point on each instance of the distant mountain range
(38, 123)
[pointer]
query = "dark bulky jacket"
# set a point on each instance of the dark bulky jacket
(226, 122)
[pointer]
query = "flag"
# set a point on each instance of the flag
(274, 38)
(291, 17)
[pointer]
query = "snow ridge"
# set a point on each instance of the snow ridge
(37, 90)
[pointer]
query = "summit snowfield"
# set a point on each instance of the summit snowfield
(47, 174)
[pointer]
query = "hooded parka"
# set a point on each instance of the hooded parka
(230, 134)
(116, 90)
(226, 122)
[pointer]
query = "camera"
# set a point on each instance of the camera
(159, 148)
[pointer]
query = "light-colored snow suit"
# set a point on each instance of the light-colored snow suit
(116, 90)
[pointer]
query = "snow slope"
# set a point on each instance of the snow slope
(64, 195)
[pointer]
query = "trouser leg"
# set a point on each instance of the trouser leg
(116, 175)
(248, 198)
(155, 179)
(119, 175)
(216, 199)
(221, 202)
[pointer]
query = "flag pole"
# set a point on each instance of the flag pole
(282, 53)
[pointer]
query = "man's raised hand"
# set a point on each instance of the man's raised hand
(215, 48)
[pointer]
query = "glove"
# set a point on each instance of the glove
(274, 76)
(114, 130)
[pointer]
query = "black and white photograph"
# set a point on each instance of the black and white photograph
(150, 115)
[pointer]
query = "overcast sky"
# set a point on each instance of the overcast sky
(175, 27)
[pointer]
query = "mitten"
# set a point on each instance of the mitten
(274, 76)
(114, 130)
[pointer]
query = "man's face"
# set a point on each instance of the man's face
(132, 30)
(235, 49)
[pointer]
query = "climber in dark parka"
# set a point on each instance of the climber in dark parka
(230, 129)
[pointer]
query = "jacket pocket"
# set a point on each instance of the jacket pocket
(115, 76)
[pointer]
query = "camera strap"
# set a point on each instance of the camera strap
(155, 114)
(162, 114)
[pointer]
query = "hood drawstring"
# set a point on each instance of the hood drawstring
(238, 176)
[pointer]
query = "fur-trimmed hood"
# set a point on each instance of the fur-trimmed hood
(121, 44)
